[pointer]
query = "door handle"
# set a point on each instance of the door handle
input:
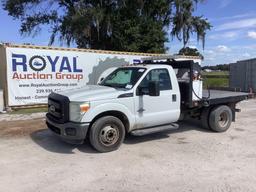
(174, 97)
(141, 110)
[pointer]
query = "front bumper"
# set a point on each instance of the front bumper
(70, 132)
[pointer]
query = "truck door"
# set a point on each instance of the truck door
(157, 110)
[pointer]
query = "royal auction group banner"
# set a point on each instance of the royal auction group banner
(32, 74)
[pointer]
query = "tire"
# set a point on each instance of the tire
(107, 134)
(220, 118)
(205, 118)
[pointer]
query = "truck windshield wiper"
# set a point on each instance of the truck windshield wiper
(109, 85)
(114, 85)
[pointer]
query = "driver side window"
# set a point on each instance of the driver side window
(160, 75)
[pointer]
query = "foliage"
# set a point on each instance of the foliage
(221, 67)
(127, 25)
(190, 52)
(185, 24)
(215, 79)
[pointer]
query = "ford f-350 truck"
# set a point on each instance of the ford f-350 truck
(139, 99)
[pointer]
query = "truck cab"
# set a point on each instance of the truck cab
(137, 99)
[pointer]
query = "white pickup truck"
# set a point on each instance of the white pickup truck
(139, 99)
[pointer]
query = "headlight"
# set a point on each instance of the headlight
(77, 110)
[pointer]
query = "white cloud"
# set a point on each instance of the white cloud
(222, 48)
(252, 34)
(227, 35)
(210, 59)
(192, 40)
(210, 52)
(224, 3)
(240, 24)
(232, 17)
(228, 54)
(239, 16)
(223, 53)
(230, 34)
(251, 47)
(246, 55)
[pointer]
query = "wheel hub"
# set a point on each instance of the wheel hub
(109, 135)
(223, 119)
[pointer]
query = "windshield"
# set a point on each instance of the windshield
(123, 77)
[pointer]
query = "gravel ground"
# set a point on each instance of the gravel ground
(188, 159)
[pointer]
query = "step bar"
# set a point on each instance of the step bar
(151, 130)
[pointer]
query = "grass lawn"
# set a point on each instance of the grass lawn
(215, 73)
(216, 79)
(29, 111)
(216, 82)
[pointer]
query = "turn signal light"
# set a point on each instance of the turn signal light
(85, 107)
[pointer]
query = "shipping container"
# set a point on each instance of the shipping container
(243, 75)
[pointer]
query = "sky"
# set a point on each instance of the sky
(232, 37)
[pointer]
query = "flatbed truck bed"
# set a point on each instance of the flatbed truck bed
(219, 96)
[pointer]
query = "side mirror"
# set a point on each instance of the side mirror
(101, 79)
(153, 88)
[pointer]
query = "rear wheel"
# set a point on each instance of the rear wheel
(220, 118)
(107, 134)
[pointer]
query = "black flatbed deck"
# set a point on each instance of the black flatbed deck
(219, 96)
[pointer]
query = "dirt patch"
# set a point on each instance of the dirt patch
(21, 128)
(239, 129)
(187, 159)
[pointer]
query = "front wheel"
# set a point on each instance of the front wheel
(107, 134)
(220, 118)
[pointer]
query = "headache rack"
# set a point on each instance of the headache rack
(186, 63)
(171, 57)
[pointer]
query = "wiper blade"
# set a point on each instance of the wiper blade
(107, 85)
(114, 85)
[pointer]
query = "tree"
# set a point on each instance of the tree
(221, 67)
(185, 24)
(190, 52)
(127, 25)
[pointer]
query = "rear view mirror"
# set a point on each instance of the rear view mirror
(153, 87)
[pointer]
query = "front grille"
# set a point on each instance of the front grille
(53, 128)
(54, 108)
(58, 107)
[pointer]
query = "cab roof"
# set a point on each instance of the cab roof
(149, 66)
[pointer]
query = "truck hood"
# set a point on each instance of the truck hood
(92, 93)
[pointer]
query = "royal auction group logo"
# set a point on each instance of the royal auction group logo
(58, 67)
